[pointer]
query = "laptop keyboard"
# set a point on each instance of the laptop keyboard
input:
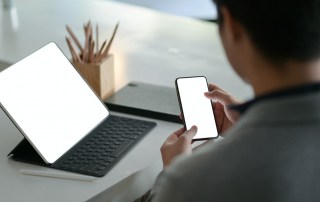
(99, 152)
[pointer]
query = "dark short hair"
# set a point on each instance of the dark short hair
(281, 30)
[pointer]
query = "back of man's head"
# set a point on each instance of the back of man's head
(281, 30)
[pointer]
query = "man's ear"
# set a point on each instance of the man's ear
(230, 29)
(236, 42)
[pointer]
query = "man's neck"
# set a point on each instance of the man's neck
(267, 78)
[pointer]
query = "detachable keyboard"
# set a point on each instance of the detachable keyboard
(97, 153)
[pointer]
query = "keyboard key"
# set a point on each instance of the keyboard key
(102, 148)
(122, 147)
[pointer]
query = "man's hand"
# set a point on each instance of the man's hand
(225, 117)
(177, 143)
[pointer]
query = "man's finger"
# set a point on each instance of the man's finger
(180, 116)
(213, 87)
(179, 132)
(189, 134)
(221, 96)
(174, 136)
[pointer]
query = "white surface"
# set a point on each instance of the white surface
(60, 108)
(57, 174)
(143, 50)
(197, 109)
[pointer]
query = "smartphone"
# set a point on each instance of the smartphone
(196, 109)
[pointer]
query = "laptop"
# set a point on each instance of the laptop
(61, 118)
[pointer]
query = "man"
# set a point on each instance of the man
(270, 152)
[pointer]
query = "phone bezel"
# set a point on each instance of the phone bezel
(181, 108)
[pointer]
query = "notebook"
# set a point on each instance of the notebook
(148, 100)
(56, 111)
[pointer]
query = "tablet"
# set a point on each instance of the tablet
(49, 102)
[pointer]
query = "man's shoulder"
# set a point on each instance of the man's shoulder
(253, 166)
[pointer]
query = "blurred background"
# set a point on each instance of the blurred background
(200, 9)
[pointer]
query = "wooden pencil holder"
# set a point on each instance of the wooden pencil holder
(99, 76)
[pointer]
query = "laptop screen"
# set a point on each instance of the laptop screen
(50, 102)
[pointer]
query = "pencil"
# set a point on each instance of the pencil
(97, 37)
(91, 54)
(71, 49)
(74, 38)
(99, 54)
(57, 174)
(90, 51)
(106, 52)
(75, 57)
(86, 44)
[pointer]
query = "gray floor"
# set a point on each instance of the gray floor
(201, 9)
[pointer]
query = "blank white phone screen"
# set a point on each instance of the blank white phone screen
(50, 102)
(197, 109)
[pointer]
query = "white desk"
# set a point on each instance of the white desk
(150, 47)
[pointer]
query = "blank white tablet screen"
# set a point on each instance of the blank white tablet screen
(50, 102)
